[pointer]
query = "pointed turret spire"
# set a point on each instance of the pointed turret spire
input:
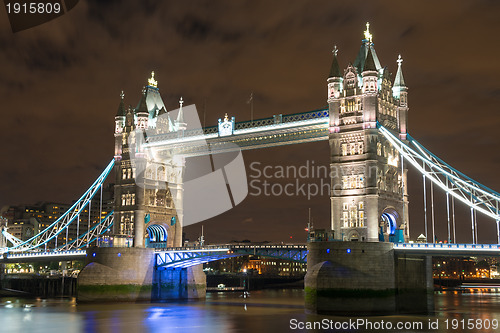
(399, 81)
(335, 69)
(142, 106)
(181, 125)
(121, 108)
(366, 45)
(369, 62)
(399, 89)
(180, 116)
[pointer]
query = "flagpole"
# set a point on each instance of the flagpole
(251, 107)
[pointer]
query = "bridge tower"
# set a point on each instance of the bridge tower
(369, 200)
(145, 186)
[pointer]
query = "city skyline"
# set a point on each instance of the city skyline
(62, 87)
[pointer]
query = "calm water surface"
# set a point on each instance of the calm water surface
(264, 311)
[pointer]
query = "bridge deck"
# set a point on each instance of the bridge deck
(188, 256)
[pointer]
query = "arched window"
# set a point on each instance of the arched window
(161, 173)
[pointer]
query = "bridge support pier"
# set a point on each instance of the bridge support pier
(179, 283)
(116, 274)
(130, 274)
(366, 278)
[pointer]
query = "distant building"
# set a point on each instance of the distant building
(454, 268)
(24, 221)
(259, 265)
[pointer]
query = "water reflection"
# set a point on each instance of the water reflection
(263, 311)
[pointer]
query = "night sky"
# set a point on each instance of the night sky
(60, 85)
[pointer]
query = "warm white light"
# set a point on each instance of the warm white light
(393, 160)
(368, 35)
(151, 81)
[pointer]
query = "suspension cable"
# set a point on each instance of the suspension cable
(425, 212)
(498, 227)
(448, 211)
(475, 224)
(454, 225)
(406, 231)
(472, 224)
(88, 223)
(100, 214)
(78, 227)
(67, 229)
(432, 212)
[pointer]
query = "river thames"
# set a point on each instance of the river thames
(264, 311)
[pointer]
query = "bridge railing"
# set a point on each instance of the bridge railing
(447, 246)
(248, 124)
(232, 246)
(41, 254)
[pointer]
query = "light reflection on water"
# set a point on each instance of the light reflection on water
(264, 311)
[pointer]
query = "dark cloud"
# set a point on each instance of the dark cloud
(60, 86)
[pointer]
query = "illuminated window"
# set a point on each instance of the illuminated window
(379, 149)
(346, 219)
(342, 106)
(360, 181)
(161, 173)
(351, 182)
(361, 218)
(345, 206)
(353, 148)
(361, 205)
(344, 182)
(360, 147)
(353, 217)
(344, 149)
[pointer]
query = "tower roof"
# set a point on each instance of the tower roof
(335, 69)
(359, 63)
(366, 45)
(152, 98)
(121, 108)
(369, 62)
(142, 106)
(399, 80)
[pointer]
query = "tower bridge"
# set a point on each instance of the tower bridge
(366, 125)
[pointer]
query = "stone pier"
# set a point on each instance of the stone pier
(356, 278)
(130, 274)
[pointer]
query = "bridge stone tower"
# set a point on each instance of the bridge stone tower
(144, 210)
(369, 200)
